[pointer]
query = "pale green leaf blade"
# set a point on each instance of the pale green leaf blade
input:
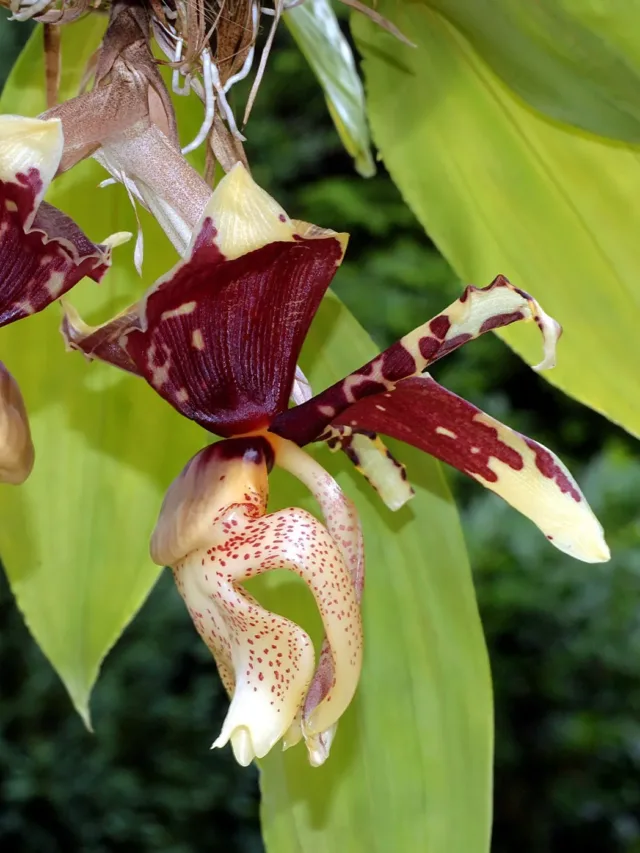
(577, 61)
(74, 538)
(410, 767)
(500, 189)
(316, 30)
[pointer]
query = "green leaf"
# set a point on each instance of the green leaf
(410, 767)
(577, 61)
(500, 189)
(317, 32)
(74, 538)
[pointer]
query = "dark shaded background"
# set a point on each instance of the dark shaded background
(564, 637)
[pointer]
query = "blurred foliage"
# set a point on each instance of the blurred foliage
(146, 779)
(564, 640)
(495, 184)
(564, 637)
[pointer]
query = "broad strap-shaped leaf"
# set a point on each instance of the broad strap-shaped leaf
(410, 764)
(499, 188)
(315, 27)
(74, 538)
(577, 62)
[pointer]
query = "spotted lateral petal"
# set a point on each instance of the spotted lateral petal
(527, 475)
(214, 532)
(43, 253)
(477, 311)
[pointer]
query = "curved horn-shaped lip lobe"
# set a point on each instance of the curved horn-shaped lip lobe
(214, 531)
(43, 253)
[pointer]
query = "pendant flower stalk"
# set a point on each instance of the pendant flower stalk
(218, 337)
(128, 124)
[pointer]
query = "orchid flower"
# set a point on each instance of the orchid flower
(43, 253)
(218, 338)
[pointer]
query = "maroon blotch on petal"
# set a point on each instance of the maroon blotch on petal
(451, 345)
(424, 414)
(397, 361)
(547, 466)
(500, 320)
(440, 326)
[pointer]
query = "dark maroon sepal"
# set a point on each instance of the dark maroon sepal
(220, 338)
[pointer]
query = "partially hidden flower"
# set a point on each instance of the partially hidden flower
(43, 253)
(16, 446)
(218, 337)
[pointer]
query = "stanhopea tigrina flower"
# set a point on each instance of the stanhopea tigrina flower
(218, 337)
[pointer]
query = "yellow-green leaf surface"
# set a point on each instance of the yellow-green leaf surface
(74, 538)
(500, 189)
(410, 766)
(317, 32)
(577, 61)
